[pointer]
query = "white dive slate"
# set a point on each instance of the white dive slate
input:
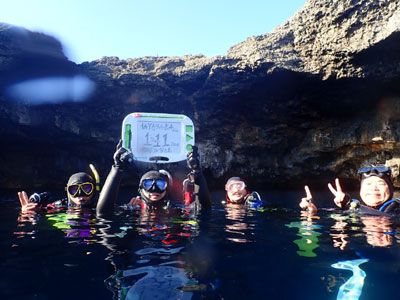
(163, 138)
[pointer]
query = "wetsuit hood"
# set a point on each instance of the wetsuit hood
(80, 177)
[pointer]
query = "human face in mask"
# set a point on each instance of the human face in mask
(236, 191)
(154, 189)
(374, 191)
(80, 194)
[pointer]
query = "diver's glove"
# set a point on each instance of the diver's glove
(348, 203)
(193, 160)
(122, 157)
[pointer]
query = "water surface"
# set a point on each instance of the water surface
(228, 253)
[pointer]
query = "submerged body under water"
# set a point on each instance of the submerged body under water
(229, 253)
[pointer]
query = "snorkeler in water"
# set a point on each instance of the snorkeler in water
(82, 191)
(238, 193)
(160, 216)
(154, 185)
(376, 193)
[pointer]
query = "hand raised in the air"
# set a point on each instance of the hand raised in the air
(306, 202)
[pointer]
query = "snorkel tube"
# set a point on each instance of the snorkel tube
(97, 180)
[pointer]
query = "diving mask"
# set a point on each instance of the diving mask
(374, 170)
(149, 184)
(87, 188)
(235, 185)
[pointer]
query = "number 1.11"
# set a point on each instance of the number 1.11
(164, 136)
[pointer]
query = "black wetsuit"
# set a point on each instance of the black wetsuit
(48, 202)
(109, 193)
(389, 208)
(59, 203)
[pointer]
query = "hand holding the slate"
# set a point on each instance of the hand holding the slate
(193, 160)
(122, 157)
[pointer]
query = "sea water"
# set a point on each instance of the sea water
(228, 253)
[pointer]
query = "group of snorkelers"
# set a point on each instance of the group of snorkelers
(376, 190)
(154, 187)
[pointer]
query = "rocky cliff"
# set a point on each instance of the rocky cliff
(315, 98)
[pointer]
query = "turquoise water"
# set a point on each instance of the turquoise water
(277, 253)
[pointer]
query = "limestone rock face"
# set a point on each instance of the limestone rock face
(328, 38)
(312, 100)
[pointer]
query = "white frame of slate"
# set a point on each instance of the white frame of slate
(158, 137)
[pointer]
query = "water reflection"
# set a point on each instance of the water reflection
(27, 217)
(25, 221)
(148, 252)
(339, 235)
(78, 225)
(158, 282)
(184, 255)
(236, 225)
(309, 236)
(378, 230)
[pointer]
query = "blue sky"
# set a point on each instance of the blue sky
(90, 29)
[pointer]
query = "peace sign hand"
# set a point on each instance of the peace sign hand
(25, 204)
(338, 193)
(306, 201)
